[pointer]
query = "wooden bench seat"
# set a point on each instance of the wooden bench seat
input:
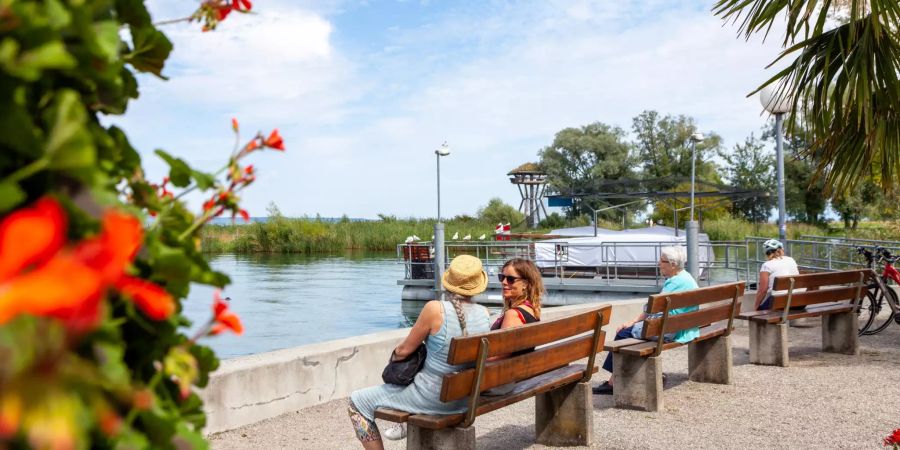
(563, 408)
(637, 368)
(833, 296)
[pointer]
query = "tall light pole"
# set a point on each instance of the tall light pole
(691, 227)
(775, 101)
(444, 150)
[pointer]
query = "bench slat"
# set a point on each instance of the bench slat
(678, 322)
(819, 279)
(648, 347)
(392, 415)
(614, 346)
(819, 296)
(524, 390)
(775, 316)
(465, 349)
(657, 302)
(496, 373)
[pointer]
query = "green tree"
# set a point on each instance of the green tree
(842, 83)
(804, 193)
(663, 148)
(496, 211)
(580, 160)
(749, 166)
(863, 201)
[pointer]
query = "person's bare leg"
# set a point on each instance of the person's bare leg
(366, 430)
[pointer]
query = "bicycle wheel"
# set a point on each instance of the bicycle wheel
(868, 310)
(882, 315)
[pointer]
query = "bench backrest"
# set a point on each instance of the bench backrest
(562, 351)
(845, 285)
(716, 303)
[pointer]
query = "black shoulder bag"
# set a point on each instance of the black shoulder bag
(404, 371)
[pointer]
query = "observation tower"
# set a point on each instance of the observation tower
(531, 181)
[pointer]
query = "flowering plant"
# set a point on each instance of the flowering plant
(92, 353)
(893, 440)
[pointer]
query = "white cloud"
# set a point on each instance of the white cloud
(361, 119)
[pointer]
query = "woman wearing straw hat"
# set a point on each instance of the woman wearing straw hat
(438, 323)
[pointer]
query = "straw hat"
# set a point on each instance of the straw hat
(465, 276)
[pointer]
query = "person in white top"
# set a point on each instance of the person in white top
(777, 265)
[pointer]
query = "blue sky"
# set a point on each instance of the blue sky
(365, 91)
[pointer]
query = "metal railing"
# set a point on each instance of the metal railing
(719, 261)
(817, 254)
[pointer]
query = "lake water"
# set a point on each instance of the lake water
(290, 300)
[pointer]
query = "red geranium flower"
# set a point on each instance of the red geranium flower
(274, 141)
(223, 318)
(893, 439)
(152, 299)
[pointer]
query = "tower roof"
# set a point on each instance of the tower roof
(528, 168)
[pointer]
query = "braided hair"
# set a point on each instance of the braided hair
(455, 299)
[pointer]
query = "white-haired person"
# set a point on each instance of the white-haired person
(777, 265)
(438, 323)
(671, 266)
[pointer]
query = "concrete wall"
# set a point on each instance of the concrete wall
(252, 388)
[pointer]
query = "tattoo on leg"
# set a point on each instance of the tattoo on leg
(366, 430)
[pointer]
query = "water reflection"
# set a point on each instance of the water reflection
(290, 300)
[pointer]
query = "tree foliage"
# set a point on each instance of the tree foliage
(663, 147)
(749, 166)
(581, 159)
(91, 332)
(496, 211)
(843, 82)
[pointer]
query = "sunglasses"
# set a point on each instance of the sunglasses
(509, 278)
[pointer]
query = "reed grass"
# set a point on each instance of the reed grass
(283, 235)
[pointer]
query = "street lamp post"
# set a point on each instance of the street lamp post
(444, 150)
(691, 228)
(775, 101)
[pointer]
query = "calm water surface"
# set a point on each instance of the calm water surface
(290, 300)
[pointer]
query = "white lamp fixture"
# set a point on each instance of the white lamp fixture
(776, 100)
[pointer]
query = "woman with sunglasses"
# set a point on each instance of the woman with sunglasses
(523, 288)
(777, 265)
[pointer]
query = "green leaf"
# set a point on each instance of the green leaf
(111, 361)
(186, 438)
(57, 15)
(30, 64)
(130, 440)
(69, 144)
(133, 12)
(179, 171)
(11, 195)
(151, 49)
(105, 42)
(170, 262)
(204, 180)
(17, 130)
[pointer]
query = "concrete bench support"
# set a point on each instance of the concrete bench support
(638, 382)
(710, 360)
(769, 344)
(418, 438)
(839, 333)
(564, 417)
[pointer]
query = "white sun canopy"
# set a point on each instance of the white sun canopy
(633, 247)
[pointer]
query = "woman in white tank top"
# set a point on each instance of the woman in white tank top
(777, 265)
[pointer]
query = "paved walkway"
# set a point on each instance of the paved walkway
(820, 401)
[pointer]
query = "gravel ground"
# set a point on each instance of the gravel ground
(821, 401)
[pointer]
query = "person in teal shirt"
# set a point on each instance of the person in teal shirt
(671, 266)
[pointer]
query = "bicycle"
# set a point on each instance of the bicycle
(874, 317)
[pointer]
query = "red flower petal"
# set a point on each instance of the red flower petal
(152, 299)
(247, 5)
(31, 236)
(63, 288)
(245, 215)
(234, 124)
(274, 140)
(231, 321)
(219, 305)
(112, 250)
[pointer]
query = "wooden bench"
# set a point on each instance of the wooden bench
(637, 367)
(833, 296)
(563, 404)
